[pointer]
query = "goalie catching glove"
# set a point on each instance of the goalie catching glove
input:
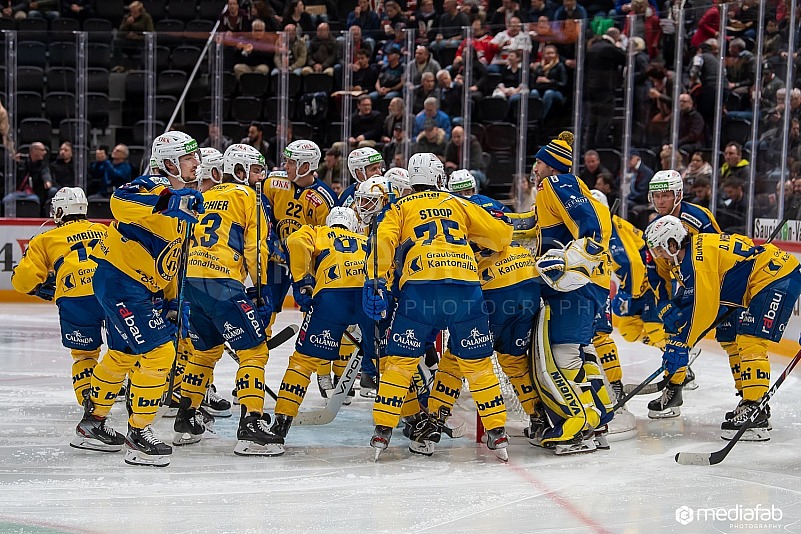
(571, 267)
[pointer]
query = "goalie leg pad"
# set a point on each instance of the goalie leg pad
(447, 384)
(486, 391)
(295, 383)
(199, 373)
(607, 352)
(83, 365)
(395, 381)
(517, 368)
(147, 384)
(107, 378)
(754, 366)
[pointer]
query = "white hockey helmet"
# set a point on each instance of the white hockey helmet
(668, 180)
(360, 159)
(370, 198)
(68, 201)
(303, 151)
(171, 146)
(426, 169)
(600, 196)
(244, 155)
(663, 232)
(211, 158)
(399, 178)
(462, 180)
(342, 216)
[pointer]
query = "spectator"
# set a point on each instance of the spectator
(283, 132)
(318, 11)
(540, 8)
(605, 183)
(392, 16)
(295, 15)
(365, 74)
(255, 138)
(449, 95)
(366, 19)
(330, 170)
(731, 215)
(708, 25)
(396, 145)
(623, 8)
(14, 9)
(130, 37)
(431, 111)
(336, 186)
(44, 9)
(235, 20)
(425, 18)
(449, 30)
(254, 53)
(645, 25)
(263, 11)
(395, 39)
(426, 89)
(366, 124)
(294, 59)
(216, 140)
(423, 62)
(570, 10)
(397, 112)
(510, 39)
(697, 168)
(4, 127)
(77, 9)
(702, 191)
(592, 168)
(691, 126)
(741, 73)
(603, 64)
(660, 104)
(482, 46)
(704, 78)
(431, 139)
(62, 170)
(453, 155)
(503, 15)
(771, 84)
(323, 53)
(734, 165)
(640, 176)
(390, 77)
(33, 178)
(110, 174)
(550, 80)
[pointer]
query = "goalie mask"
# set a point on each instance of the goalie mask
(665, 237)
(371, 197)
(69, 201)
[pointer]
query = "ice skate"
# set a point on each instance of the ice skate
(369, 386)
(732, 414)
(537, 423)
(497, 441)
(689, 380)
(215, 404)
(255, 438)
(423, 432)
(281, 425)
(94, 434)
(575, 446)
(624, 420)
(325, 384)
(668, 405)
(144, 448)
(189, 425)
(380, 440)
(600, 437)
(759, 430)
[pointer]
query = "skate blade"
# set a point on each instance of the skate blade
(347, 400)
(91, 444)
(185, 438)
(367, 393)
(601, 442)
(501, 454)
(377, 454)
(135, 457)
(217, 413)
(426, 448)
(752, 434)
(171, 413)
(666, 414)
(250, 448)
(587, 445)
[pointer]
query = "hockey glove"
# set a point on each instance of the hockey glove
(623, 304)
(375, 303)
(275, 250)
(182, 204)
(676, 356)
(170, 311)
(672, 318)
(571, 267)
(264, 307)
(47, 289)
(302, 290)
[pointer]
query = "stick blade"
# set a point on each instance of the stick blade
(696, 458)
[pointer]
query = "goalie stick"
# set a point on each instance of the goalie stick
(713, 458)
(274, 342)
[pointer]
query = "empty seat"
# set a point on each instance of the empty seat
(183, 9)
(35, 130)
(493, 109)
(184, 57)
(27, 209)
(111, 10)
(156, 9)
(171, 82)
(31, 54)
(139, 136)
(135, 85)
(60, 106)
(98, 30)
(67, 130)
(317, 82)
(501, 137)
(32, 29)
(62, 54)
(63, 29)
(99, 56)
(170, 32)
(195, 29)
(246, 109)
(165, 106)
(97, 80)
(254, 84)
(98, 107)
(99, 209)
(30, 79)
(29, 104)
(61, 79)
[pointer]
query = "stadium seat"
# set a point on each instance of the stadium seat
(60, 79)
(29, 104)
(182, 9)
(254, 84)
(493, 109)
(31, 54)
(30, 79)
(68, 127)
(98, 30)
(99, 208)
(98, 107)
(35, 130)
(171, 82)
(184, 58)
(60, 106)
(27, 209)
(317, 82)
(62, 54)
(246, 109)
(63, 29)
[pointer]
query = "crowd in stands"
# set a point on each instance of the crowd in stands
(312, 50)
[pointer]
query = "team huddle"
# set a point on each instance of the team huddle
(379, 273)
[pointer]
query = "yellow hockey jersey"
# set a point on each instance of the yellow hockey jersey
(565, 210)
(294, 206)
(224, 242)
(512, 265)
(430, 231)
(65, 250)
(334, 256)
(723, 269)
(627, 249)
(141, 242)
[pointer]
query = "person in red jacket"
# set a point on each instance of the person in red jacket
(708, 26)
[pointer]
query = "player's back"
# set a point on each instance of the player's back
(338, 257)
(510, 266)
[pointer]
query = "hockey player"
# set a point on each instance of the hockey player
(363, 163)
(719, 270)
(439, 288)
(327, 264)
(399, 178)
(578, 284)
(210, 170)
(57, 265)
(137, 261)
(223, 253)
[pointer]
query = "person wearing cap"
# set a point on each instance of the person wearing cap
(396, 145)
(431, 111)
(331, 169)
(566, 212)
(431, 139)
(641, 175)
(390, 77)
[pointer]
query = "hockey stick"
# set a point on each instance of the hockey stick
(274, 342)
(659, 386)
(259, 209)
(636, 389)
(376, 327)
(713, 458)
(327, 414)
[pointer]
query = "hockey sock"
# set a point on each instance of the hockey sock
(295, 383)
(83, 364)
(395, 380)
(630, 327)
(734, 362)
(323, 368)
(198, 374)
(250, 377)
(447, 384)
(107, 379)
(608, 355)
(185, 351)
(147, 384)
(411, 404)
(486, 391)
(654, 335)
(346, 348)
(754, 366)
(679, 376)
(517, 369)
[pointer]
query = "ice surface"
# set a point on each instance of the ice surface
(327, 481)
